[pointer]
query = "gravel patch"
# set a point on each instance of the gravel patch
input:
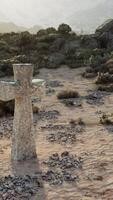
(96, 98)
(63, 134)
(62, 168)
(19, 188)
(48, 115)
(54, 83)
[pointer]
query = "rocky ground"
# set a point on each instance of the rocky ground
(74, 142)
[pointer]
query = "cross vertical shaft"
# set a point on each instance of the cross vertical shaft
(23, 143)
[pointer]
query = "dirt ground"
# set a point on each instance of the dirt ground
(94, 145)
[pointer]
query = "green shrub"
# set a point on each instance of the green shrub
(42, 46)
(106, 88)
(42, 32)
(64, 29)
(51, 30)
(4, 46)
(48, 38)
(26, 41)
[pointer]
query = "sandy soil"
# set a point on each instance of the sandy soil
(94, 145)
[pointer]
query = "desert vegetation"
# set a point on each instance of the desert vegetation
(51, 48)
(73, 122)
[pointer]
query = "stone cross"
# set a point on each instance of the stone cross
(21, 89)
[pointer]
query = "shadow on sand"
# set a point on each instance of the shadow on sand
(30, 167)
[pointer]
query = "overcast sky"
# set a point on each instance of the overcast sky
(41, 12)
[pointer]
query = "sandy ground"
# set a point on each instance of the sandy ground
(94, 145)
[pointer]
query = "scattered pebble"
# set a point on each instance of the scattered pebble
(64, 133)
(72, 102)
(64, 161)
(48, 115)
(54, 83)
(62, 168)
(57, 178)
(96, 98)
(6, 127)
(62, 137)
(19, 188)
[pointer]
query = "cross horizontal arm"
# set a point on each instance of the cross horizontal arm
(38, 82)
(38, 87)
(7, 90)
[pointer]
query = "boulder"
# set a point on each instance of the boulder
(105, 27)
(104, 34)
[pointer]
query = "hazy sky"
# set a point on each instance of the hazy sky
(42, 12)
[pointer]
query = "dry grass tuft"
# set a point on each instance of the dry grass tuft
(106, 120)
(67, 94)
(77, 122)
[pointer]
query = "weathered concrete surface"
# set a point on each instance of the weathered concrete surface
(23, 143)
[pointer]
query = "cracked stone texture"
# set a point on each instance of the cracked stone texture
(23, 143)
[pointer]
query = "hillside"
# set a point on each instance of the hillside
(7, 27)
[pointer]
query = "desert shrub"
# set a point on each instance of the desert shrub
(81, 122)
(42, 46)
(106, 88)
(42, 32)
(26, 41)
(84, 54)
(89, 41)
(67, 94)
(20, 59)
(104, 78)
(89, 74)
(6, 67)
(77, 122)
(106, 120)
(51, 30)
(64, 29)
(6, 108)
(48, 38)
(4, 46)
(35, 109)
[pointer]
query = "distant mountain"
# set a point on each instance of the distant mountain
(7, 27)
(89, 20)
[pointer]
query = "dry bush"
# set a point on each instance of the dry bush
(106, 120)
(106, 88)
(7, 108)
(67, 94)
(104, 78)
(35, 109)
(77, 122)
